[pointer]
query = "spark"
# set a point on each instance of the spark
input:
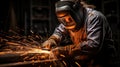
(32, 58)
(62, 55)
(78, 64)
(26, 58)
(64, 63)
(35, 50)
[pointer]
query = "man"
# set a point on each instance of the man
(89, 32)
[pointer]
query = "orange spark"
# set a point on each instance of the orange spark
(62, 55)
(78, 64)
(35, 50)
(64, 63)
(50, 65)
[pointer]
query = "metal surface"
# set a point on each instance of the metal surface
(18, 60)
(44, 63)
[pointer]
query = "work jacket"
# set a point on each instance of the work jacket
(94, 37)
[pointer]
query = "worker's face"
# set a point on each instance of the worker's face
(66, 20)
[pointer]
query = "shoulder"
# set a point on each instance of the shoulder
(94, 16)
(92, 13)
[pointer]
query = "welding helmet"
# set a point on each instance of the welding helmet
(68, 13)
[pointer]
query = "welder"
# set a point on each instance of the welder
(89, 31)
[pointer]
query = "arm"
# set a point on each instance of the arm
(95, 36)
(55, 38)
(93, 44)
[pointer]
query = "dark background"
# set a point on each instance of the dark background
(27, 17)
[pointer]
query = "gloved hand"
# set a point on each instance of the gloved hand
(66, 51)
(48, 44)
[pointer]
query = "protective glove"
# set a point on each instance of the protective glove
(49, 44)
(66, 51)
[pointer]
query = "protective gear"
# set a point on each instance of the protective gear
(51, 42)
(48, 44)
(67, 20)
(69, 13)
(67, 51)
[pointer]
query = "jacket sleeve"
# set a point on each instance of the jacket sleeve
(95, 35)
(59, 33)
